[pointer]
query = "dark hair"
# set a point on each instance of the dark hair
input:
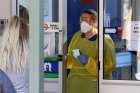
(92, 12)
(23, 13)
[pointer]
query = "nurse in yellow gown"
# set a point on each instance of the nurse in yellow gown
(84, 65)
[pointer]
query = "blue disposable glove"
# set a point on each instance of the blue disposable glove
(83, 59)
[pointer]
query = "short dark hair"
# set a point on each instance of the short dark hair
(92, 12)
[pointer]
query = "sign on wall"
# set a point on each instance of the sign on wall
(52, 27)
(133, 40)
(3, 23)
(51, 66)
(51, 69)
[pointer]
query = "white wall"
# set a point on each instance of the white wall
(120, 87)
(5, 9)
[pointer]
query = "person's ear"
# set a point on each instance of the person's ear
(95, 23)
(92, 23)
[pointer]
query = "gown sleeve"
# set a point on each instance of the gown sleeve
(109, 56)
(69, 54)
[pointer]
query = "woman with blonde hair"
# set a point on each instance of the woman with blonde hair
(14, 53)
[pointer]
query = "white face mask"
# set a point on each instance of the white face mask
(85, 27)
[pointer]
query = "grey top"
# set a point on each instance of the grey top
(6, 85)
(20, 81)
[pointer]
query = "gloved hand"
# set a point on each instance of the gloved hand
(83, 59)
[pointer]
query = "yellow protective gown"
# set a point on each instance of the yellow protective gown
(83, 78)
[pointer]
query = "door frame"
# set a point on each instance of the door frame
(36, 46)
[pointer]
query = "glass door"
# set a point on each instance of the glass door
(53, 45)
(120, 39)
(82, 46)
(46, 40)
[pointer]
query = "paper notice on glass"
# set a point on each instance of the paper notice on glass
(133, 36)
(53, 27)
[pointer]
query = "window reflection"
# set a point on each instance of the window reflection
(122, 25)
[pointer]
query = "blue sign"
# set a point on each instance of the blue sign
(51, 67)
(123, 59)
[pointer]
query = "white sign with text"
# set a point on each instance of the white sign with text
(133, 42)
(52, 27)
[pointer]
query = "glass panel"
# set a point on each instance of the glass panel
(82, 42)
(51, 38)
(51, 47)
(121, 37)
